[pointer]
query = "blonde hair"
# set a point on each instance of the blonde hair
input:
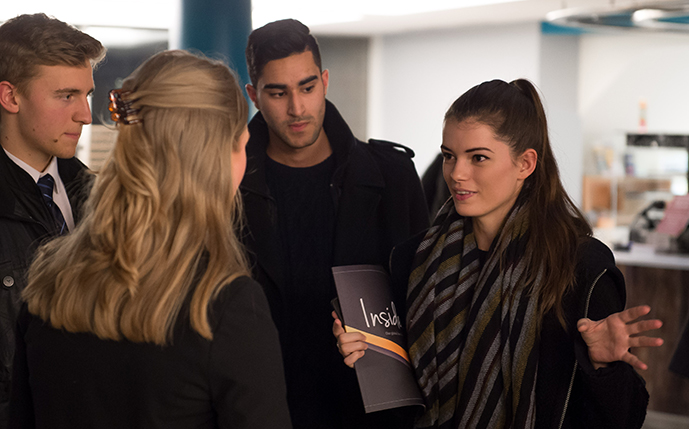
(160, 221)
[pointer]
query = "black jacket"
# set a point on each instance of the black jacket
(76, 380)
(680, 359)
(570, 393)
(378, 204)
(25, 223)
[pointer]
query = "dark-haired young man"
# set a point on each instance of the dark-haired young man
(316, 197)
(46, 78)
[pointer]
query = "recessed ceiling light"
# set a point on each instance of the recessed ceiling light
(665, 16)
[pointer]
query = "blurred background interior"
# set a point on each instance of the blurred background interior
(613, 74)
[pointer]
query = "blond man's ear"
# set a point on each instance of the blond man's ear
(8, 97)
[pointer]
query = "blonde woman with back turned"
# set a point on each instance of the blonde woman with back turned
(144, 316)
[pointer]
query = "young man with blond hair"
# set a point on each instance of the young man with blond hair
(46, 78)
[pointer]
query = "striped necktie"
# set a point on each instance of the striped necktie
(46, 185)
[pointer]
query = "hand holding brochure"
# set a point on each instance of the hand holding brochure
(385, 376)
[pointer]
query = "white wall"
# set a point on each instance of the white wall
(592, 85)
(616, 71)
(347, 60)
(421, 74)
(559, 85)
(417, 76)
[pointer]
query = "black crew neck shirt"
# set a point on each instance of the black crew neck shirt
(306, 221)
(306, 227)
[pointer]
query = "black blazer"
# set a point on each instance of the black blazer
(25, 223)
(66, 380)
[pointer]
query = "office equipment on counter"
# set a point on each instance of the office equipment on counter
(646, 221)
(675, 222)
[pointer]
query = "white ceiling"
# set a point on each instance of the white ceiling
(493, 14)
(152, 14)
(519, 11)
(164, 14)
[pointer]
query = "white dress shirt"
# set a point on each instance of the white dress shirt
(59, 193)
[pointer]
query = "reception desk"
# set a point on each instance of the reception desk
(661, 281)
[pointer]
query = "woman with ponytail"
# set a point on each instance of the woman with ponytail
(144, 316)
(503, 289)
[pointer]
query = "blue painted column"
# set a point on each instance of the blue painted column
(219, 29)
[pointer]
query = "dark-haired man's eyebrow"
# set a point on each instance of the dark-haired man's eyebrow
(275, 86)
(307, 80)
(282, 86)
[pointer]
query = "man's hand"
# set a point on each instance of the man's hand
(609, 340)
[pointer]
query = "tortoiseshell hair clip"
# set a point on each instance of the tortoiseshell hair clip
(121, 109)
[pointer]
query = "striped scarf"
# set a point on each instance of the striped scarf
(472, 330)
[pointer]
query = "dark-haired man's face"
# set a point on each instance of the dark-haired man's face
(291, 96)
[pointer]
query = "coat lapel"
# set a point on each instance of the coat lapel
(78, 181)
(20, 195)
(260, 235)
(361, 187)
(262, 238)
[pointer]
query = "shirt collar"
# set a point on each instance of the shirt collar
(35, 174)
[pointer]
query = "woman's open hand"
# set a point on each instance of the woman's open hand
(351, 345)
(609, 340)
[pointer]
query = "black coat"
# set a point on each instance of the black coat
(25, 223)
(76, 380)
(570, 393)
(378, 204)
(680, 359)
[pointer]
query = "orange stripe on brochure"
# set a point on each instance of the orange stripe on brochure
(381, 342)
